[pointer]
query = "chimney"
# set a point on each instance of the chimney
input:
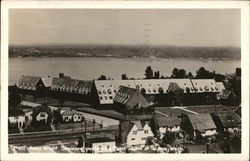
(61, 75)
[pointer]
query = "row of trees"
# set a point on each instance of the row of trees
(202, 73)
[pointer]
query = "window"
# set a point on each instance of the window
(132, 138)
(42, 114)
(145, 131)
(100, 98)
(26, 118)
(108, 146)
(106, 97)
(134, 132)
(143, 138)
(110, 97)
(100, 148)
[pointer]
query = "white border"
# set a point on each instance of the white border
(243, 5)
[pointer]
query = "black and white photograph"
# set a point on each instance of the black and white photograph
(125, 81)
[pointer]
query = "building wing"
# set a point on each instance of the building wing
(205, 85)
(28, 82)
(201, 122)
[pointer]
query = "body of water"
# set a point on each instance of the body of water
(90, 68)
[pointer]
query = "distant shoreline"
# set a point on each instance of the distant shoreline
(154, 52)
(135, 57)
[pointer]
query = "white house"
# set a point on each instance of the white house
(202, 123)
(70, 115)
(17, 119)
(101, 145)
(135, 133)
(167, 124)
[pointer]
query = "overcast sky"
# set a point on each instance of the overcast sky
(180, 27)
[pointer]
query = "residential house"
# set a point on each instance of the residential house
(227, 121)
(41, 116)
(101, 145)
(134, 133)
(71, 116)
(16, 119)
(199, 124)
(73, 90)
(167, 124)
(130, 101)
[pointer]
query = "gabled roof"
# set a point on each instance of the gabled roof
(70, 112)
(205, 85)
(42, 108)
(126, 127)
(72, 85)
(221, 86)
(164, 121)
(28, 82)
(229, 119)
(174, 87)
(106, 89)
(201, 122)
(47, 81)
(130, 97)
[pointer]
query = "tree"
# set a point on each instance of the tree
(182, 73)
(190, 75)
(175, 73)
(124, 77)
(157, 75)
(102, 77)
(80, 142)
(202, 73)
(238, 72)
(149, 72)
(178, 73)
(14, 99)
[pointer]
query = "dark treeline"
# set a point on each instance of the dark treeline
(125, 51)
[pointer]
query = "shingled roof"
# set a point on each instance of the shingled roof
(131, 98)
(72, 85)
(205, 85)
(126, 126)
(28, 82)
(164, 121)
(229, 119)
(201, 122)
